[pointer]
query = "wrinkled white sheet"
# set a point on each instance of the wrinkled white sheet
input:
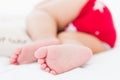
(104, 66)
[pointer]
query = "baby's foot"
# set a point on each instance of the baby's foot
(61, 58)
(15, 56)
(26, 54)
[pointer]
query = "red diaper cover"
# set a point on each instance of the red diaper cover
(96, 19)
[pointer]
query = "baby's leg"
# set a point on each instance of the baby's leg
(76, 49)
(42, 29)
(44, 23)
(85, 39)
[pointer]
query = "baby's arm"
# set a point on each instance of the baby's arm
(46, 17)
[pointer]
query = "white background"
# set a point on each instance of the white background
(16, 7)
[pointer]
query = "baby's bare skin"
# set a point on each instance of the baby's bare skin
(45, 21)
(61, 58)
(25, 54)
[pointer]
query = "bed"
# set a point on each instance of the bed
(103, 66)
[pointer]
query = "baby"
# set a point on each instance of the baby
(58, 50)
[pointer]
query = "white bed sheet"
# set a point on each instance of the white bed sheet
(101, 67)
(104, 66)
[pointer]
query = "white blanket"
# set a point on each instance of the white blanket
(104, 66)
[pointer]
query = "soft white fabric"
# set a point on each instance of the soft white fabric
(104, 66)
(11, 39)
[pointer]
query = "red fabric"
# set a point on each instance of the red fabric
(97, 23)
